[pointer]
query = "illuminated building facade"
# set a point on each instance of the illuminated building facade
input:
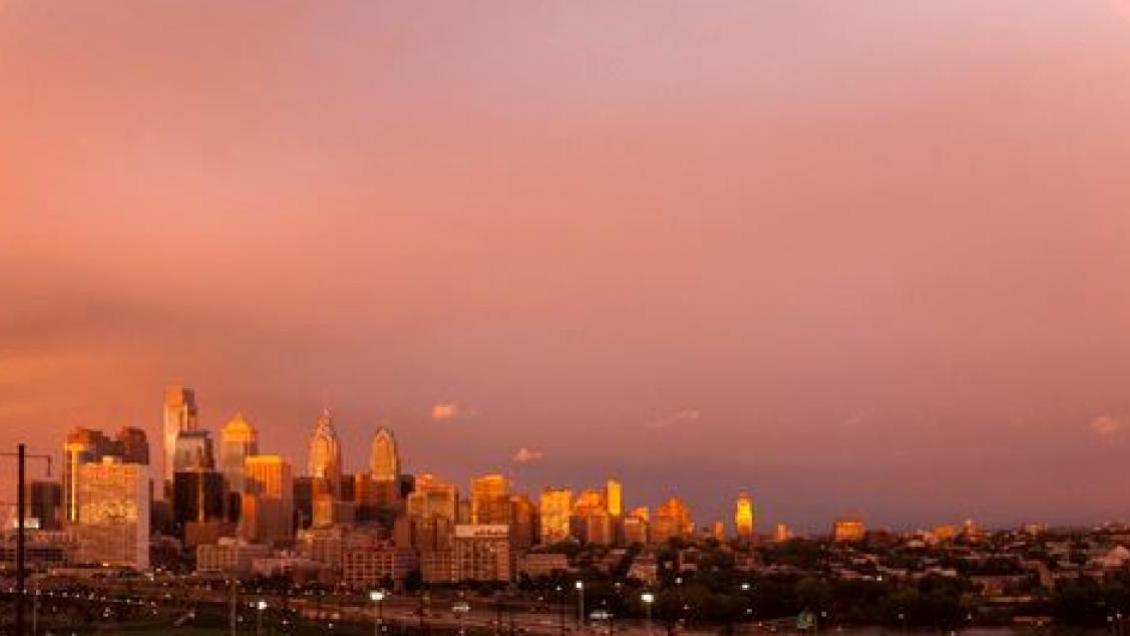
(490, 500)
(672, 519)
(268, 508)
(324, 459)
(181, 416)
(555, 507)
(238, 441)
(848, 530)
(113, 526)
(744, 521)
(384, 459)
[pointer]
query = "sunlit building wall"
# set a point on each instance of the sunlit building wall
(490, 500)
(324, 460)
(555, 507)
(384, 458)
(269, 507)
(180, 416)
(113, 527)
(744, 523)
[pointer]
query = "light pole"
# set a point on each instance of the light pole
(580, 585)
(561, 601)
(260, 607)
(22, 456)
(378, 597)
(648, 598)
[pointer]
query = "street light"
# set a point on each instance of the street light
(580, 585)
(377, 596)
(648, 598)
(261, 606)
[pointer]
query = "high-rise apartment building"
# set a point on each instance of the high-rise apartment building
(555, 507)
(384, 460)
(113, 518)
(744, 520)
(268, 508)
(180, 416)
(324, 460)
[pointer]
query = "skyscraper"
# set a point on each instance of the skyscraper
(132, 445)
(268, 510)
(744, 522)
(193, 452)
(113, 501)
(384, 462)
(613, 497)
(238, 441)
(672, 519)
(180, 417)
(554, 509)
(490, 500)
(433, 498)
(83, 446)
(324, 461)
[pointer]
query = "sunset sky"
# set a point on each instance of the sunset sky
(859, 256)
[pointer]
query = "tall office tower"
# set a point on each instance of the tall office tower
(268, 510)
(303, 502)
(194, 452)
(743, 516)
(384, 462)
(113, 526)
(433, 498)
(324, 463)
(83, 446)
(180, 417)
(554, 509)
(238, 441)
(672, 519)
(132, 445)
(490, 500)
(44, 503)
(718, 530)
(523, 522)
(591, 522)
(636, 526)
(198, 497)
(613, 497)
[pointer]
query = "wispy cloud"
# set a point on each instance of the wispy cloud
(681, 417)
(526, 455)
(1105, 426)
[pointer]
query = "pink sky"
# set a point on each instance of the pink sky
(864, 255)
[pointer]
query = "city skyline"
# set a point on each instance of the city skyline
(846, 258)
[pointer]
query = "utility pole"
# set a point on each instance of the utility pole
(21, 456)
(21, 573)
(231, 607)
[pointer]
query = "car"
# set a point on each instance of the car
(600, 615)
